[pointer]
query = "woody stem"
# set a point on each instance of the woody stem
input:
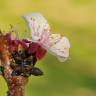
(15, 84)
(16, 87)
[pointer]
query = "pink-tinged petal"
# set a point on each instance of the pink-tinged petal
(40, 53)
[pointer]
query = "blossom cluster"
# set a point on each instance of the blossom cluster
(23, 55)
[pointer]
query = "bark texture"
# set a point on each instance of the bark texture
(15, 84)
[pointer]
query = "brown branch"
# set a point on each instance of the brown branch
(15, 83)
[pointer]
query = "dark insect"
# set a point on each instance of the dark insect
(23, 64)
(34, 60)
(36, 71)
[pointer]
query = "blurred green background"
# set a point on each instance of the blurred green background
(77, 20)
